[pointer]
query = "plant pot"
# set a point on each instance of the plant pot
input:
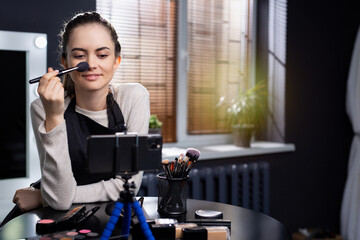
(155, 131)
(242, 135)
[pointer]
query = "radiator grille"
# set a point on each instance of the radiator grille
(245, 185)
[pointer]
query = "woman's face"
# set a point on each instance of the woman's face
(91, 43)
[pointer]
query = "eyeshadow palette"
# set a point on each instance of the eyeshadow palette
(68, 235)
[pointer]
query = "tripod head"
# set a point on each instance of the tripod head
(127, 195)
(126, 202)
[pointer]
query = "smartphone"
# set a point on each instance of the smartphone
(120, 153)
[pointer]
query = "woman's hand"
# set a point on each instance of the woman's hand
(28, 198)
(51, 92)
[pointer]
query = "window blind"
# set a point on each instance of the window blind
(147, 34)
(219, 42)
(277, 68)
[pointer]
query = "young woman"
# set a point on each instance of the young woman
(86, 103)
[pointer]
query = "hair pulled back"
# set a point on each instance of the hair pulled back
(80, 20)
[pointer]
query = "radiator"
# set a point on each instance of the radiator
(245, 185)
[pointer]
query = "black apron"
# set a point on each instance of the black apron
(79, 127)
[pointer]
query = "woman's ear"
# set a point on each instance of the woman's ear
(117, 62)
(64, 62)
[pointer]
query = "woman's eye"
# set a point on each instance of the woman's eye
(79, 56)
(102, 55)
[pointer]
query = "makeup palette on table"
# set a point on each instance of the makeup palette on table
(69, 226)
(68, 235)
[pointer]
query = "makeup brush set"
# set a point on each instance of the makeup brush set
(181, 166)
(172, 183)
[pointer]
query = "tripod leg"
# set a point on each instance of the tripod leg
(112, 221)
(143, 224)
(125, 228)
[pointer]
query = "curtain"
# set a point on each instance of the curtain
(350, 209)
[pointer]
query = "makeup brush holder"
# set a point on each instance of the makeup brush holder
(172, 195)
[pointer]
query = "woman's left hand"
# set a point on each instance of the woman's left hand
(28, 198)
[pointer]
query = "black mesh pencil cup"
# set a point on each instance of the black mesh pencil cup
(172, 194)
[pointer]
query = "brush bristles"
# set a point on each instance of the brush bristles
(181, 166)
(192, 153)
(83, 66)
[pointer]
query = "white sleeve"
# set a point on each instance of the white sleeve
(135, 105)
(57, 181)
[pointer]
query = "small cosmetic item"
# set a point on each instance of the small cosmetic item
(66, 238)
(158, 224)
(92, 235)
(45, 226)
(71, 218)
(84, 231)
(208, 214)
(80, 237)
(179, 229)
(163, 231)
(206, 233)
(72, 234)
(211, 222)
(170, 231)
(198, 233)
(218, 233)
(44, 238)
(165, 221)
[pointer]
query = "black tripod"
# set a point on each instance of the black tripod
(127, 201)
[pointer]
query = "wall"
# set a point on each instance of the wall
(320, 36)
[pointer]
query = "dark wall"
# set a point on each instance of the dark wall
(320, 39)
(41, 16)
(308, 184)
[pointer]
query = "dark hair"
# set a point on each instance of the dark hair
(79, 20)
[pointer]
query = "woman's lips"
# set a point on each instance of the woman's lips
(91, 76)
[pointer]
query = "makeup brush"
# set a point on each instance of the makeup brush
(193, 154)
(172, 166)
(178, 171)
(184, 165)
(166, 168)
(81, 67)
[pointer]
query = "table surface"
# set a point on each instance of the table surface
(245, 224)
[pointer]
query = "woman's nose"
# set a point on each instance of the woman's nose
(92, 61)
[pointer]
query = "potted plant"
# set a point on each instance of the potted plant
(245, 112)
(154, 125)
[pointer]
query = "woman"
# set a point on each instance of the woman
(91, 106)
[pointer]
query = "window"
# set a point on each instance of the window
(147, 34)
(187, 54)
(219, 42)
